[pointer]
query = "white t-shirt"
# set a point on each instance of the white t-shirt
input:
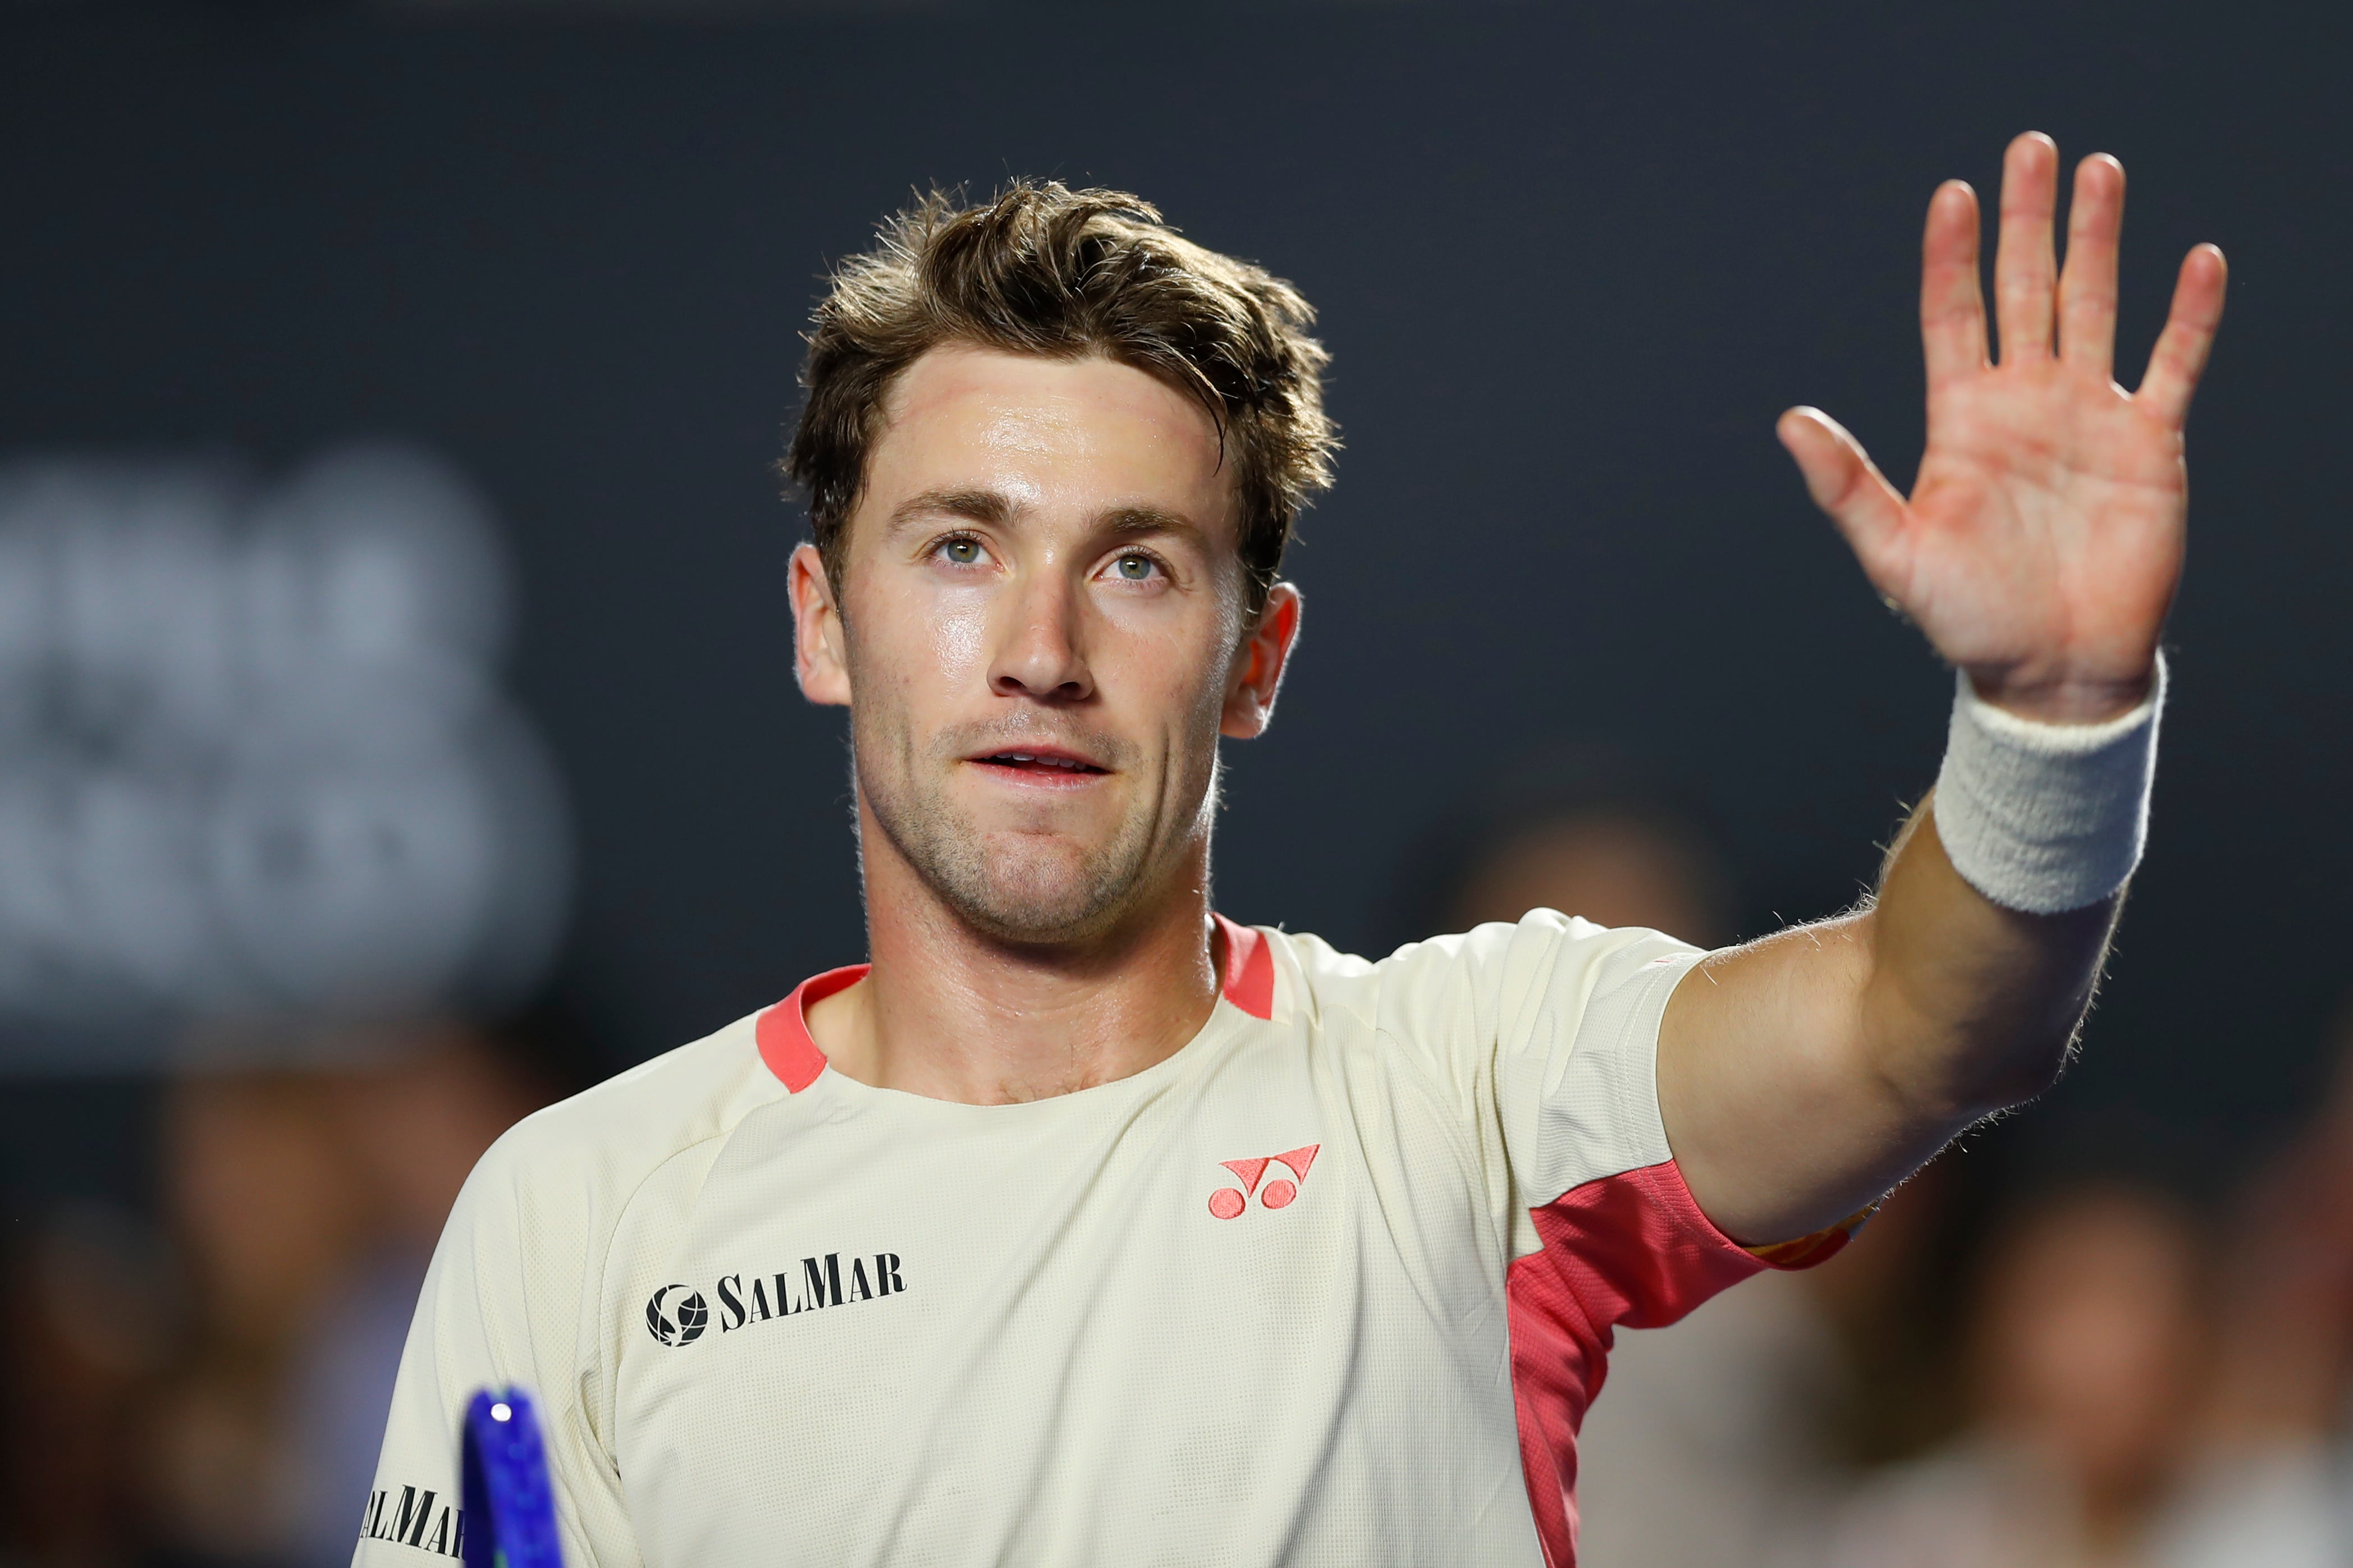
(1332, 1284)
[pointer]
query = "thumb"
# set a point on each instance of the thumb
(1845, 483)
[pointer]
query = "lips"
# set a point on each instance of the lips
(1045, 763)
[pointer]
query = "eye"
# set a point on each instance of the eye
(1134, 568)
(962, 551)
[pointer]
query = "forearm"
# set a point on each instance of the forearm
(1804, 1075)
(1968, 1007)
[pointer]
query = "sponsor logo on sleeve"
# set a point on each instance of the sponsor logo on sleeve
(417, 1517)
(677, 1315)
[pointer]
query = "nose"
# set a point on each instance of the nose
(1039, 656)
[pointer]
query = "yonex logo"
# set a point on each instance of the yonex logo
(1228, 1203)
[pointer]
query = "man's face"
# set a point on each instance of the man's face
(1040, 636)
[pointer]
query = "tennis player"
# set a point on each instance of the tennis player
(1080, 1226)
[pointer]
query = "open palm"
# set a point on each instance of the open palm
(2040, 546)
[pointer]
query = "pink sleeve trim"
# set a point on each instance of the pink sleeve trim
(1634, 1249)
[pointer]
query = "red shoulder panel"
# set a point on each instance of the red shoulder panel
(783, 1030)
(1249, 970)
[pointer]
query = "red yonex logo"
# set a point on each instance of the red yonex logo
(1228, 1203)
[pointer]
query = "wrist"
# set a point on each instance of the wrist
(2041, 816)
(2063, 699)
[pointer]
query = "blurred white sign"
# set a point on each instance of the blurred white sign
(252, 751)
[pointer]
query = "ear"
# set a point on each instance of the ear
(1258, 673)
(819, 662)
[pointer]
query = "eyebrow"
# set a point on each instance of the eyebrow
(996, 509)
(990, 507)
(1137, 522)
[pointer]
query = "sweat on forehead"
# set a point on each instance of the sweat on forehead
(1009, 437)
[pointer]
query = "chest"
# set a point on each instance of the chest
(1007, 1334)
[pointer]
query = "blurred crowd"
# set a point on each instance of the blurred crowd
(206, 1387)
(2086, 1359)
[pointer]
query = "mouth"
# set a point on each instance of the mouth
(1039, 766)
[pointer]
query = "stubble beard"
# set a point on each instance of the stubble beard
(1031, 888)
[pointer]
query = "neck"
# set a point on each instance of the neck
(951, 1013)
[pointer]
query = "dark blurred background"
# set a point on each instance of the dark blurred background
(1571, 261)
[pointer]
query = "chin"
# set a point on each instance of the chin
(1028, 883)
(1028, 891)
(1048, 899)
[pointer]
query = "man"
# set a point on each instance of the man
(1082, 1227)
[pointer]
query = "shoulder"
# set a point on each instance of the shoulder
(598, 1146)
(1492, 968)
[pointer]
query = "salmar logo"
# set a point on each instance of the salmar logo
(678, 1314)
(413, 1520)
(680, 1323)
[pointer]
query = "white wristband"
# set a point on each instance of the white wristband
(2045, 817)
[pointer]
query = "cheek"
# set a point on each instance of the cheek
(1179, 673)
(957, 626)
(907, 649)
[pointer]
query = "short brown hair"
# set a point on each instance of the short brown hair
(1043, 269)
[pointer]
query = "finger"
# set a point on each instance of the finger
(2023, 265)
(2180, 357)
(2087, 289)
(1952, 305)
(1844, 483)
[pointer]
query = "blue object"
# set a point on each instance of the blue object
(509, 1518)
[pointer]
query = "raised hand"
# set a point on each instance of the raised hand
(2041, 544)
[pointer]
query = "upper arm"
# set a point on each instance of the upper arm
(1778, 1120)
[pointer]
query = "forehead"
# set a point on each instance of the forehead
(1078, 436)
(2101, 1242)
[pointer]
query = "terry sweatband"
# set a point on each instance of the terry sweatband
(2045, 817)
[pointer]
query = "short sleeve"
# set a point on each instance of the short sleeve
(1550, 1026)
(1548, 1032)
(485, 1321)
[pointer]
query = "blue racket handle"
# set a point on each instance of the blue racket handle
(509, 1520)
